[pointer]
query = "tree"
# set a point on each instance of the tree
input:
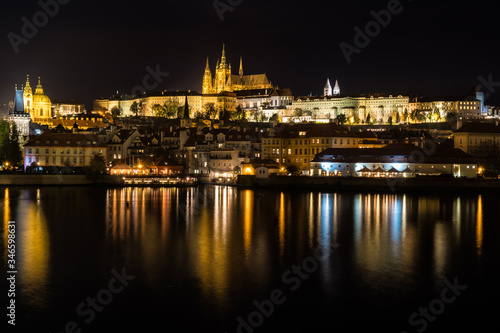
(417, 116)
(239, 114)
(159, 110)
(489, 156)
(368, 118)
(10, 151)
(451, 116)
(171, 107)
(341, 119)
(116, 111)
(315, 113)
(97, 165)
(390, 120)
(293, 170)
(405, 116)
(134, 108)
(210, 111)
(297, 113)
(398, 118)
(274, 117)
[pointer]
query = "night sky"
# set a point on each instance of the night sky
(93, 48)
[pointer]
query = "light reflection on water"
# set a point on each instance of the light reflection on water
(230, 242)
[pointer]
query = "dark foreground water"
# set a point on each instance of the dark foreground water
(216, 259)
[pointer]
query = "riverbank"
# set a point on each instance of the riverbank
(361, 184)
(59, 180)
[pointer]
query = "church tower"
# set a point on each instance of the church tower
(28, 96)
(336, 89)
(222, 72)
(241, 67)
(186, 119)
(207, 81)
(42, 106)
(328, 88)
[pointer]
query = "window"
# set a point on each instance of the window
(36, 151)
(29, 151)
(47, 151)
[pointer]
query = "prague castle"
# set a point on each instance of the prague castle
(224, 80)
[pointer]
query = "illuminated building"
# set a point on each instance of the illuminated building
(66, 108)
(119, 146)
(18, 116)
(328, 91)
(38, 104)
(324, 108)
(298, 144)
(472, 136)
(225, 81)
(60, 149)
(197, 102)
(393, 161)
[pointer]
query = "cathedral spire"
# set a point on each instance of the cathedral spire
(241, 66)
(328, 88)
(208, 67)
(186, 109)
(39, 89)
(336, 89)
(223, 59)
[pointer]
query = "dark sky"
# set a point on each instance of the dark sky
(94, 48)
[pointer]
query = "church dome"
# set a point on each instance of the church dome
(39, 96)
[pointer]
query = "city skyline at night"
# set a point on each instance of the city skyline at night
(427, 49)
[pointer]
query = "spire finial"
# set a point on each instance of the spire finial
(241, 66)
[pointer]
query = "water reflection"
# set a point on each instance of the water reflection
(479, 225)
(218, 240)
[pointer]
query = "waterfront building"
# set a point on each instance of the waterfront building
(297, 144)
(224, 80)
(151, 166)
(393, 161)
(60, 149)
(119, 145)
(473, 137)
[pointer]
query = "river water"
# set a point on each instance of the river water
(223, 259)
